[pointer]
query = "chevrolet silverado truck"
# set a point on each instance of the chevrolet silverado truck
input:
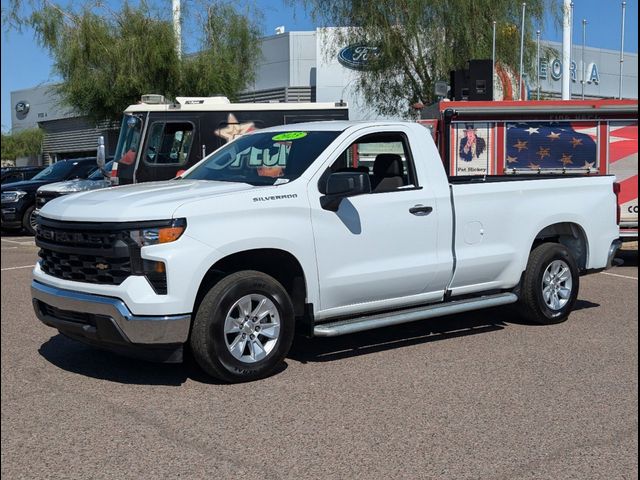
(283, 230)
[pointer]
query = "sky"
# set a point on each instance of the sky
(25, 64)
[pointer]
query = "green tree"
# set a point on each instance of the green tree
(420, 41)
(107, 59)
(25, 143)
(228, 52)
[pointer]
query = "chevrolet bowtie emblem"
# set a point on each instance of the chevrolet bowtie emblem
(102, 266)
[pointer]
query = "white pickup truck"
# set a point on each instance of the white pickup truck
(292, 229)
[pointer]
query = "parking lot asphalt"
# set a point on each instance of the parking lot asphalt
(475, 396)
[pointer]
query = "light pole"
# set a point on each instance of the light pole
(524, 6)
(493, 60)
(571, 49)
(538, 64)
(566, 56)
(624, 4)
(175, 7)
(584, 41)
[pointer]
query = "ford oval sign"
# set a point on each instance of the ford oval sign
(22, 108)
(357, 57)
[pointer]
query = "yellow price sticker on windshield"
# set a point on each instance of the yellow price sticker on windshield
(284, 137)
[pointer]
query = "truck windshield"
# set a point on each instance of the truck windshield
(97, 175)
(129, 140)
(264, 158)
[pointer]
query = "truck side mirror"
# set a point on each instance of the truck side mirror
(100, 157)
(342, 185)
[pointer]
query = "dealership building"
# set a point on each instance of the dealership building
(308, 66)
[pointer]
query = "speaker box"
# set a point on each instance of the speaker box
(459, 80)
(480, 80)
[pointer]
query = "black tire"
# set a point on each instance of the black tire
(532, 304)
(209, 341)
(26, 220)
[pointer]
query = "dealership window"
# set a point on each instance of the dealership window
(169, 143)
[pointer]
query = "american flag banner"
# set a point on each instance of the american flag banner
(551, 145)
(623, 163)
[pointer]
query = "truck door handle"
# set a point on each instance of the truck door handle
(420, 210)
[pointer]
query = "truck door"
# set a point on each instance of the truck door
(379, 250)
(170, 144)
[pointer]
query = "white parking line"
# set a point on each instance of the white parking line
(621, 276)
(29, 242)
(16, 268)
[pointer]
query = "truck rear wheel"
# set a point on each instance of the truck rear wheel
(550, 284)
(243, 327)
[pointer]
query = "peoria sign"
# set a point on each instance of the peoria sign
(358, 57)
(553, 68)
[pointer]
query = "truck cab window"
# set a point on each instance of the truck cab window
(385, 157)
(169, 143)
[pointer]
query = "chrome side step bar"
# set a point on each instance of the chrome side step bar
(380, 320)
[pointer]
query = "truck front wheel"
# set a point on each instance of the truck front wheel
(243, 327)
(550, 284)
(29, 220)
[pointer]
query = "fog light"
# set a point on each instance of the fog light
(156, 274)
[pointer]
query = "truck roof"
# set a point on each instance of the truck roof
(333, 125)
(222, 104)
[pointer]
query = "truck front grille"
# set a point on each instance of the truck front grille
(85, 268)
(96, 252)
(87, 252)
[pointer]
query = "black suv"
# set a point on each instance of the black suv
(18, 199)
(18, 174)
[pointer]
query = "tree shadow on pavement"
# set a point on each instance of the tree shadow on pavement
(76, 357)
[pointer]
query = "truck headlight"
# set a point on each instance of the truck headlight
(12, 196)
(161, 234)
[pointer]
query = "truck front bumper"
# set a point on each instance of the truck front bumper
(10, 218)
(106, 322)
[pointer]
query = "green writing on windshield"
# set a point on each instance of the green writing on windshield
(283, 137)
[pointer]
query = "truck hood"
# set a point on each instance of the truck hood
(146, 201)
(73, 186)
